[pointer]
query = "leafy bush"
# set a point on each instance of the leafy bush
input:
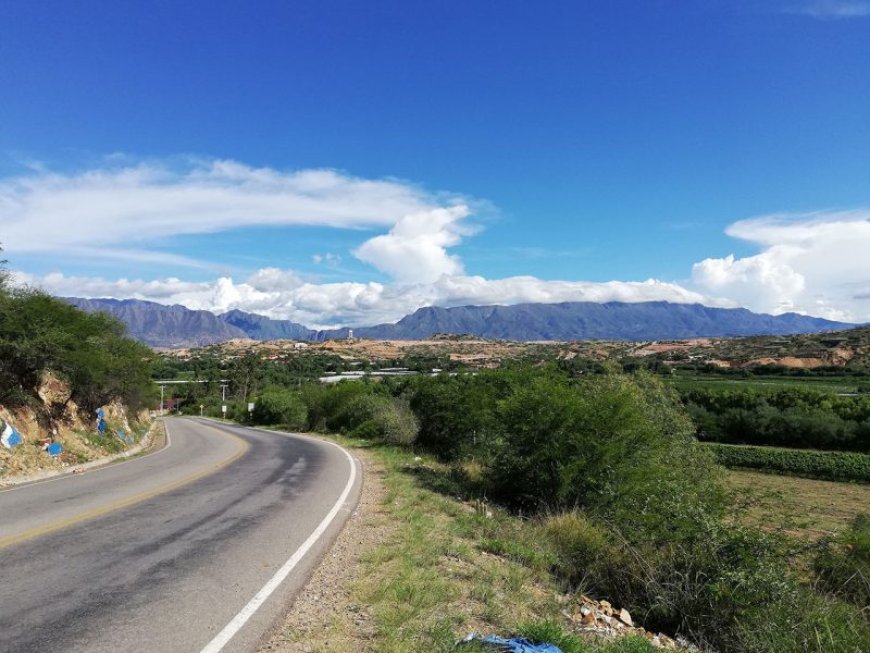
(618, 446)
(327, 405)
(457, 414)
(280, 406)
(827, 465)
(397, 423)
(842, 564)
(362, 410)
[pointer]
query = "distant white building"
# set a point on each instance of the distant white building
(300, 345)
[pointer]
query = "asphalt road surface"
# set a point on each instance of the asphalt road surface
(198, 547)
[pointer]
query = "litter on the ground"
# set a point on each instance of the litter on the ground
(9, 437)
(514, 645)
(123, 437)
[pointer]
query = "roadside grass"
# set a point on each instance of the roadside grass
(804, 509)
(448, 567)
(435, 581)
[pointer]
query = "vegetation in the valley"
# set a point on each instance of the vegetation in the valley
(595, 446)
(792, 417)
(625, 503)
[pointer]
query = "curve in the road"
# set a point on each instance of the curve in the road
(175, 570)
(96, 506)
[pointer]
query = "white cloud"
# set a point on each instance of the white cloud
(284, 294)
(415, 250)
(131, 207)
(810, 263)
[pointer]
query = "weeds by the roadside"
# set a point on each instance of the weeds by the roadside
(450, 568)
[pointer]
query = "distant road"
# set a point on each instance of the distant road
(196, 548)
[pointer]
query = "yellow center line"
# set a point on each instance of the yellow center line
(51, 527)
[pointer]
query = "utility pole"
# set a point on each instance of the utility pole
(161, 400)
(223, 391)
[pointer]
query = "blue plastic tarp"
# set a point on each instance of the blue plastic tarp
(123, 437)
(9, 437)
(54, 449)
(514, 645)
(101, 422)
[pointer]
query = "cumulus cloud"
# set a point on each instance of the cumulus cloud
(415, 249)
(130, 207)
(284, 294)
(810, 263)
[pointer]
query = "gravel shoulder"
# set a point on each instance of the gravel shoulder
(324, 616)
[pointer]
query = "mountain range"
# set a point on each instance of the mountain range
(159, 325)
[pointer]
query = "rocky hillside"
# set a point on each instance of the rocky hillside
(74, 429)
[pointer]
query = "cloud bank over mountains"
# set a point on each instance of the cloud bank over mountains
(816, 263)
(811, 263)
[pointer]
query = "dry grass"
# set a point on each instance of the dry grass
(801, 508)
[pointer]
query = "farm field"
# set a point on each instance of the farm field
(803, 508)
(836, 384)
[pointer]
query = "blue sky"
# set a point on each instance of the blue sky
(585, 143)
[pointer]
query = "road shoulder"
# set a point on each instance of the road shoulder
(324, 616)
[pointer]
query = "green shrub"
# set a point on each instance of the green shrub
(355, 410)
(280, 406)
(796, 417)
(397, 423)
(340, 407)
(842, 564)
(620, 447)
(456, 414)
(827, 465)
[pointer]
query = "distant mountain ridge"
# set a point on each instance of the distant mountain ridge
(159, 325)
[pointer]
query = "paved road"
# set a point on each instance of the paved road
(175, 551)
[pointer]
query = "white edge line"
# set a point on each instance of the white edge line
(235, 625)
(109, 464)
